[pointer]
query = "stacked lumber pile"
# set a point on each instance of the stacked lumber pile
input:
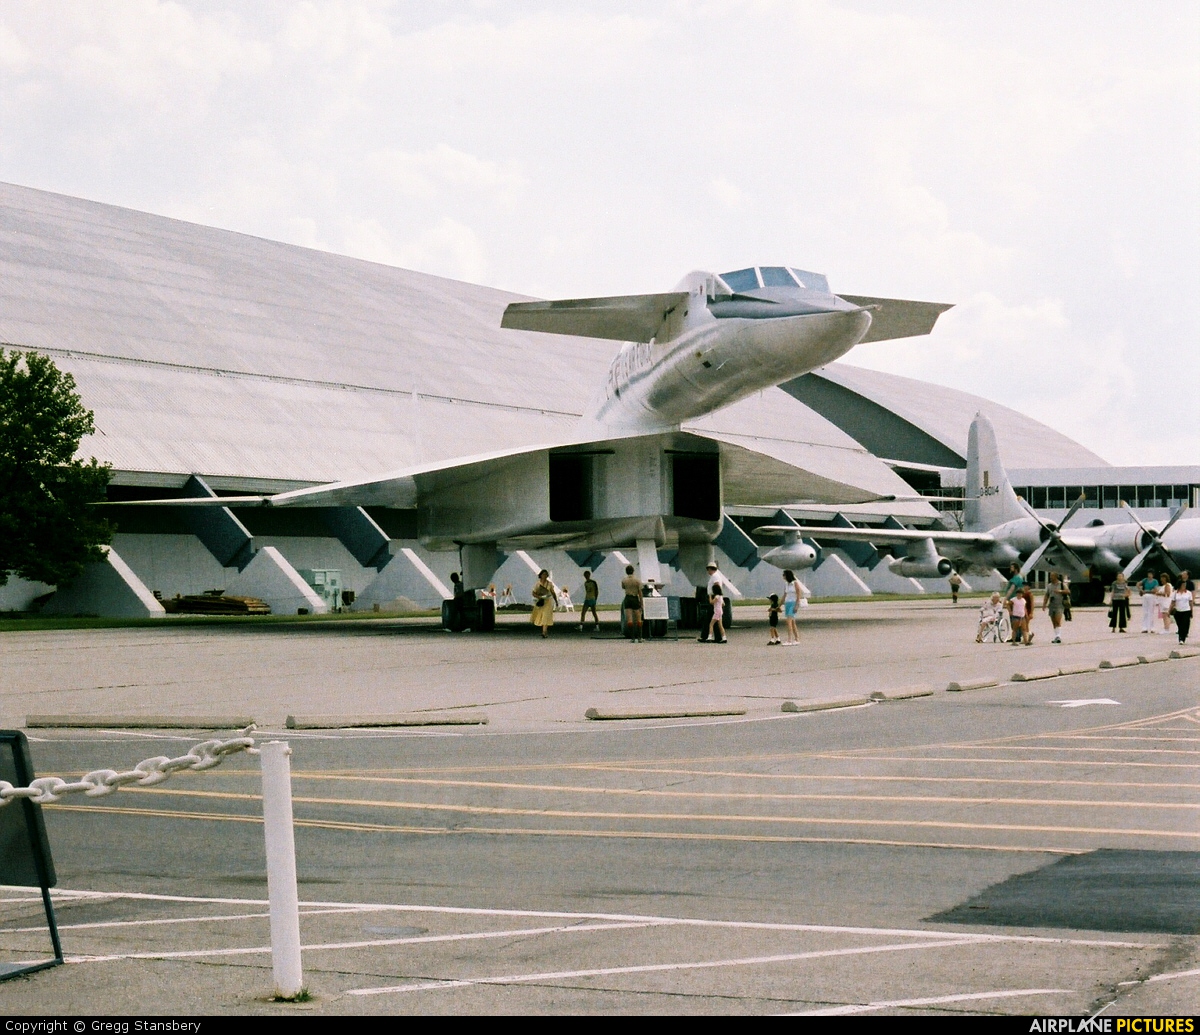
(215, 602)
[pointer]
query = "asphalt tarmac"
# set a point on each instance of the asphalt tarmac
(1027, 848)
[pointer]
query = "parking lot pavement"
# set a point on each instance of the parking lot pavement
(862, 860)
(380, 668)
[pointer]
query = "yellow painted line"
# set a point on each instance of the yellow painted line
(1094, 750)
(739, 795)
(1123, 739)
(1030, 761)
(687, 817)
(859, 777)
(666, 835)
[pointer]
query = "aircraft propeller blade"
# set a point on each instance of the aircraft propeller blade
(1054, 539)
(1034, 557)
(1155, 543)
(1136, 563)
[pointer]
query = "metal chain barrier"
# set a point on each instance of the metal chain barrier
(99, 783)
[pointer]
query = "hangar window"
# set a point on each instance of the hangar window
(776, 276)
(1037, 497)
(696, 485)
(741, 280)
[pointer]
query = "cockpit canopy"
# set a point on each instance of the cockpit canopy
(754, 277)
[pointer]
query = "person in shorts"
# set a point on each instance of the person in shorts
(631, 586)
(716, 630)
(1017, 606)
(1052, 603)
(591, 595)
(791, 602)
(773, 620)
(955, 585)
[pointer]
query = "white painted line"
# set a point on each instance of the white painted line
(168, 920)
(649, 968)
(841, 1011)
(1176, 974)
(964, 937)
(1083, 702)
(373, 943)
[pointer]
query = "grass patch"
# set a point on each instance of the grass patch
(24, 621)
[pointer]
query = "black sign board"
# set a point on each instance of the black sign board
(25, 859)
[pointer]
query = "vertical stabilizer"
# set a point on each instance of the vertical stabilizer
(990, 498)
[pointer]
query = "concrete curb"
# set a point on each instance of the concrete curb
(1120, 662)
(1078, 669)
(971, 684)
(139, 722)
(823, 706)
(1029, 677)
(902, 693)
(1183, 652)
(607, 716)
(344, 722)
(1153, 659)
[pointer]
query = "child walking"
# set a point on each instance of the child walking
(773, 620)
(716, 630)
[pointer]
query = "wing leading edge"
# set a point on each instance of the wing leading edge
(898, 317)
(620, 317)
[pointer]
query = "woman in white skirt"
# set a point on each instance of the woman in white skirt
(1150, 601)
(1164, 591)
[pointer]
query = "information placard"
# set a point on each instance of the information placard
(655, 609)
(25, 859)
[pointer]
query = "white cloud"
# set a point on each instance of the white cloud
(727, 194)
(448, 248)
(442, 169)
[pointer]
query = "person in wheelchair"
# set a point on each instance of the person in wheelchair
(989, 615)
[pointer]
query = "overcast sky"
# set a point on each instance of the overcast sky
(1036, 163)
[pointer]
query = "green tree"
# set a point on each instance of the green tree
(48, 528)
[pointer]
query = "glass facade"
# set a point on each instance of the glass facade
(1060, 497)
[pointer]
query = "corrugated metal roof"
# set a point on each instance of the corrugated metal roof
(946, 415)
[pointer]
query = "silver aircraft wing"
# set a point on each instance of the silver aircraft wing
(897, 536)
(898, 317)
(621, 317)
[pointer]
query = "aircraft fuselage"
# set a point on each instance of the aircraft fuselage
(712, 351)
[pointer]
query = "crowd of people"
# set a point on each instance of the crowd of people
(1163, 600)
(712, 602)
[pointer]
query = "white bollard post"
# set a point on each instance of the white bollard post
(281, 868)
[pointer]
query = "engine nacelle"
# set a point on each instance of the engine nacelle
(796, 556)
(938, 567)
(921, 561)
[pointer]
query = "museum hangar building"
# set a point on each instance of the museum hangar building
(222, 364)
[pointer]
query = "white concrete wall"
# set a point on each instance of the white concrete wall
(312, 552)
(172, 564)
(273, 580)
(17, 594)
(109, 588)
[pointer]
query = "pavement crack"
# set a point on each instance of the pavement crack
(1169, 958)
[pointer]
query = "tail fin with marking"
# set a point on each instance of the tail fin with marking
(990, 498)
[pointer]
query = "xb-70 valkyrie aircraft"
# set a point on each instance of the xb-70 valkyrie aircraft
(630, 475)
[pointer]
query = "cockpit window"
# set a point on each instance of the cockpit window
(776, 276)
(741, 280)
(812, 281)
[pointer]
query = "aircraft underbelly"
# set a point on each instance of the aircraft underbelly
(736, 358)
